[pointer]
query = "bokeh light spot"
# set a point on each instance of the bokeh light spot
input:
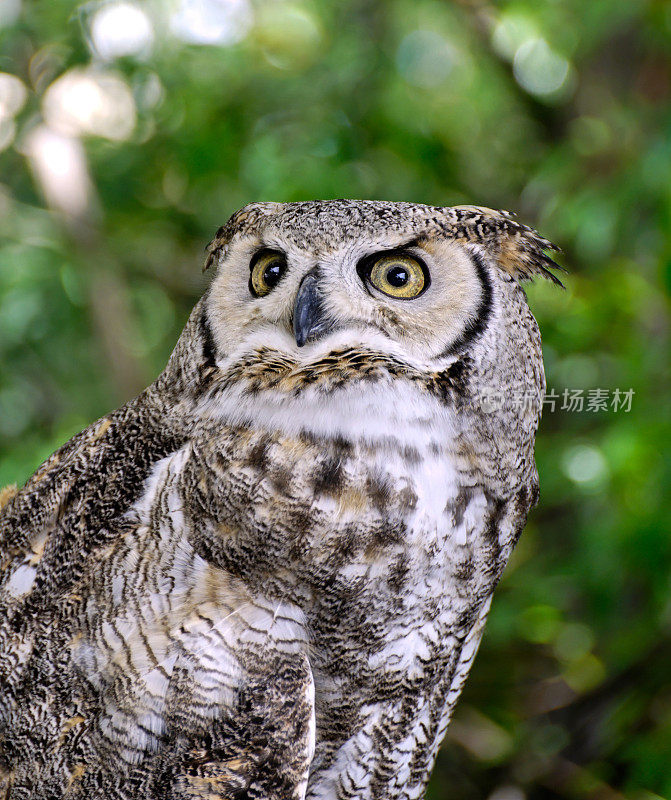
(7, 132)
(585, 464)
(149, 91)
(121, 29)
(13, 95)
(539, 69)
(222, 22)
(10, 11)
(59, 164)
(511, 31)
(290, 36)
(585, 674)
(425, 59)
(90, 102)
(481, 736)
(574, 641)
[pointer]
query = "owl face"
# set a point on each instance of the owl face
(343, 283)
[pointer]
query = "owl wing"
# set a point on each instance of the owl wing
(62, 515)
(51, 531)
(260, 747)
(259, 743)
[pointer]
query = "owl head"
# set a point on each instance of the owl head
(299, 282)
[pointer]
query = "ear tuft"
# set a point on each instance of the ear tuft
(241, 222)
(518, 249)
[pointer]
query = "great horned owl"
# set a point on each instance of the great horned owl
(267, 576)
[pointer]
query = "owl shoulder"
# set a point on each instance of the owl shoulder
(68, 506)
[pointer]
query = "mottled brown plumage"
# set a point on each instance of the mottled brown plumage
(267, 576)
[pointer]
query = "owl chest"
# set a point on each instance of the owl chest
(365, 540)
(373, 564)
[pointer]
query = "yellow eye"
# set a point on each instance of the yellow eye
(399, 276)
(267, 269)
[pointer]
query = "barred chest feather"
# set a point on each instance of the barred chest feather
(360, 542)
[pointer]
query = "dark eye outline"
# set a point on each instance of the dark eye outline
(366, 264)
(258, 256)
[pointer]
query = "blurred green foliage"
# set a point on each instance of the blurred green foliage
(128, 140)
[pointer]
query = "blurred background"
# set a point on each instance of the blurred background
(131, 130)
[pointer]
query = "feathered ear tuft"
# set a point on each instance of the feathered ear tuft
(518, 249)
(248, 217)
(216, 245)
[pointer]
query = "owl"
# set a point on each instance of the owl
(267, 576)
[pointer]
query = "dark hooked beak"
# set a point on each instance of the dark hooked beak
(309, 320)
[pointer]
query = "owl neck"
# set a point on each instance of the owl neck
(349, 393)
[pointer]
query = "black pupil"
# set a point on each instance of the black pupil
(398, 276)
(272, 273)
